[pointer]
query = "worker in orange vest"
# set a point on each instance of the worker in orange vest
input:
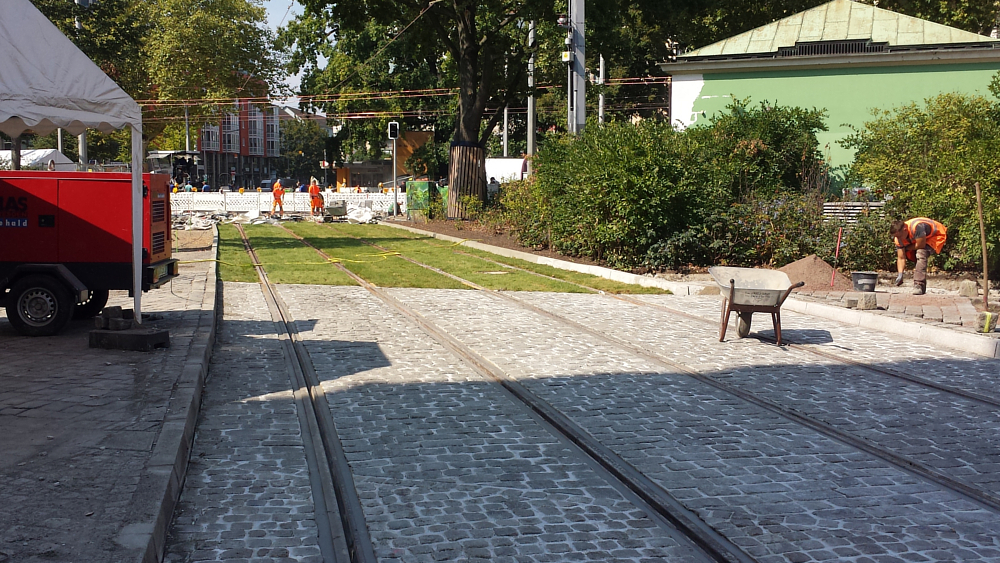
(916, 240)
(279, 195)
(315, 197)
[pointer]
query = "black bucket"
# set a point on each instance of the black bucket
(864, 281)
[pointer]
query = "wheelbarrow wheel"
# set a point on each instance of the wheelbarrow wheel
(743, 324)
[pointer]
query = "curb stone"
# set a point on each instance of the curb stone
(167, 466)
(921, 332)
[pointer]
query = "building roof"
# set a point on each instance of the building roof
(839, 20)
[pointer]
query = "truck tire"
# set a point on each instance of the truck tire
(96, 300)
(39, 306)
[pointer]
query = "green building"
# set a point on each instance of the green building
(845, 57)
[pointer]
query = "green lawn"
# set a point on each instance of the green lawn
(471, 268)
(445, 252)
(378, 267)
(288, 260)
(234, 262)
(285, 259)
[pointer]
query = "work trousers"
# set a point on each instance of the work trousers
(920, 271)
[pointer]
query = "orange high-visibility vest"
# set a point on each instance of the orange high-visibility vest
(935, 240)
(279, 194)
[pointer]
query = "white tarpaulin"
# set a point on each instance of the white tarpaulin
(46, 82)
(38, 159)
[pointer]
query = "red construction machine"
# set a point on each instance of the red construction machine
(66, 241)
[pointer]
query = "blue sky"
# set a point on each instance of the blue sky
(278, 14)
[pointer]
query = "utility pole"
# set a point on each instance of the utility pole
(393, 133)
(575, 56)
(600, 98)
(82, 138)
(531, 93)
(506, 112)
(326, 166)
(187, 131)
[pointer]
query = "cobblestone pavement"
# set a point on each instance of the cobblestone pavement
(781, 491)
(936, 428)
(247, 495)
(79, 427)
(447, 466)
(947, 310)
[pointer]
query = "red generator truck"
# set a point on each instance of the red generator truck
(66, 241)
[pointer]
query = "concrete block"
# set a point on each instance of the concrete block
(867, 301)
(852, 303)
(137, 339)
(119, 324)
(986, 322)
(968, 288)
(112, 312)
(100, 322)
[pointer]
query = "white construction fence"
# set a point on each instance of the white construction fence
(225, 202)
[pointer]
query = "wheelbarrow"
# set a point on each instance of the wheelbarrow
(746, 291)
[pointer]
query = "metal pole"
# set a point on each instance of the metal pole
(394, 194)
(579, 72)
(187, 131)
(600, 98)
(59, 140)
(531, 94)
(506, 114)
(325, 168)
(82, 137)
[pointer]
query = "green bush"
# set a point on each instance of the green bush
(643, 193)
(926, 160)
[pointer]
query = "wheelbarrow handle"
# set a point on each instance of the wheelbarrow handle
(732, 290)
(788, 291)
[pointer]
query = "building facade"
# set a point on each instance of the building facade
(844, 57)
(242, 149)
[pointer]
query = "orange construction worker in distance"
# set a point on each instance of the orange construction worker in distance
(916, 240)
(279, 195)
(315, 198)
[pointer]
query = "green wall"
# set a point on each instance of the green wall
(847, 94)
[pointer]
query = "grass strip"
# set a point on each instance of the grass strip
(380, 268)
(471, 268)
(287, 260)
(234, 262)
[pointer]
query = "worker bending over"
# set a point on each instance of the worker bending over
(916, 240)
(279, 196)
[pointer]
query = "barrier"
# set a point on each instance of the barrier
(297, 202)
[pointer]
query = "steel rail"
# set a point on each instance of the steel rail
(983, 398)
(658, 499)
(957, 485)
(340, 518)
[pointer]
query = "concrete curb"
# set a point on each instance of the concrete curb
(928, 334)
(615, 275)
(167, 465)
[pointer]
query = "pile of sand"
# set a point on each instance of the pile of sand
(816, 273)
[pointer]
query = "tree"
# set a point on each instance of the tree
(302, 144)
(172, 53)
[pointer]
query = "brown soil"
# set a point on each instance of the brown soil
(477, 232)
(816, 273)
(192, 240)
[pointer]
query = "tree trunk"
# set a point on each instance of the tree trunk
(466, 177)
(15, 153)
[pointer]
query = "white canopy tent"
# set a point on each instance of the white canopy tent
(38, 159)
(46, 82)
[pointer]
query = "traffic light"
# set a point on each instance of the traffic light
(393, 129)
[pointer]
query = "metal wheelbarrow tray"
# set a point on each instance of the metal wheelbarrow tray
(746, 291)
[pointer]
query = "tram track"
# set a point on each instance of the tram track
(957, 485)
(341, 528)
(713, 544)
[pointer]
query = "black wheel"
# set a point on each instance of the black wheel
(39, 306)
(96, 300)
(743, 324)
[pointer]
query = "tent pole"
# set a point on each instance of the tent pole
(137, 220)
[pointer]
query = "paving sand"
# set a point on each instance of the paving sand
(816, 273)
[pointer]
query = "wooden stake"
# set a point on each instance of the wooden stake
(982, 238)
